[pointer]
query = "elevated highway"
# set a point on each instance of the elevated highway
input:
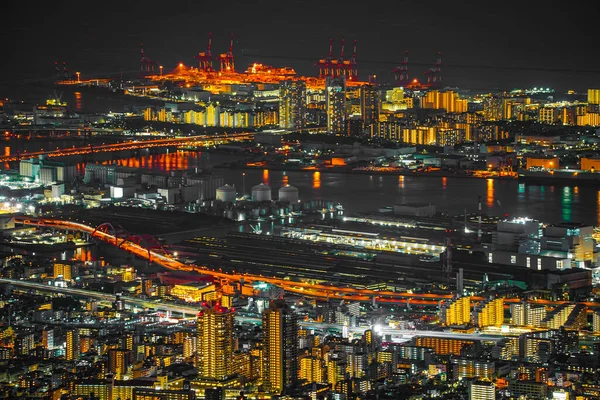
(191, 311)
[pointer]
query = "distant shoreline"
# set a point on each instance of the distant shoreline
(535, 180)
(346, 170)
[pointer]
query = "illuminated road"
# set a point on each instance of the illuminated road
(203, 140)
(403, 334)
(315, 290)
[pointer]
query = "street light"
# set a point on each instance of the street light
(161, 69)
(243, 184)
(78, 74)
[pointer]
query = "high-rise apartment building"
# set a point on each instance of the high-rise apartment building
(369, 107)
(312, 369)
(442, 346)
(335, 99)
(214, 353)
(447, 100)
(48, 339)
(292, 104)
(596, 322)
(572, 316)
(593, 96)
(72, 347)
(489, 313)
(63, 270)
(493, 108)
(457, 312)
(482, 390)
(280, 347)
(470, 368)
(118, 362)
(526, 314)
(24, 343)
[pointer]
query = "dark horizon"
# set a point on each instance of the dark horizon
(517, 45)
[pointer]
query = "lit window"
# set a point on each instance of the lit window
(539, 264)
(513, 259)
(490, 257)
(528, 262)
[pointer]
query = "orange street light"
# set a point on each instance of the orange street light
(78, 74)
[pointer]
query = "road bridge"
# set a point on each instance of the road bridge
(202, 140)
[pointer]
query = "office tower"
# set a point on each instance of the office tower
(280, 347)
(482, 390)
(214, 353)
(118, 362)
(457, 312)
(292, 104)
(72, 347)
(489, 313)
(335, 100)
(593, 96)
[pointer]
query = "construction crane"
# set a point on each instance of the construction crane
(146, 65)
(226, 60)
(62, 71)
(353, 68)
(58, 70)
(324, 64)
(401, 72)
(434, 75)
(205, 57)
(337, 63)
(437, 71)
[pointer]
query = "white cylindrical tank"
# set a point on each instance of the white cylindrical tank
(226, 194)
(288, 193)
(261, 192)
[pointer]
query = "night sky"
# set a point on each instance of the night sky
(541, 44)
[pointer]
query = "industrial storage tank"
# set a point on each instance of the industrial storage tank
(288, 193)
(226, 194)
(261, 192)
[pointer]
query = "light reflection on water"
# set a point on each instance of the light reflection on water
(366, 193)
(490, 193)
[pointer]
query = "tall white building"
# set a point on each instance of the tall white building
(482, 390)
(335, 99)
(292, 104)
